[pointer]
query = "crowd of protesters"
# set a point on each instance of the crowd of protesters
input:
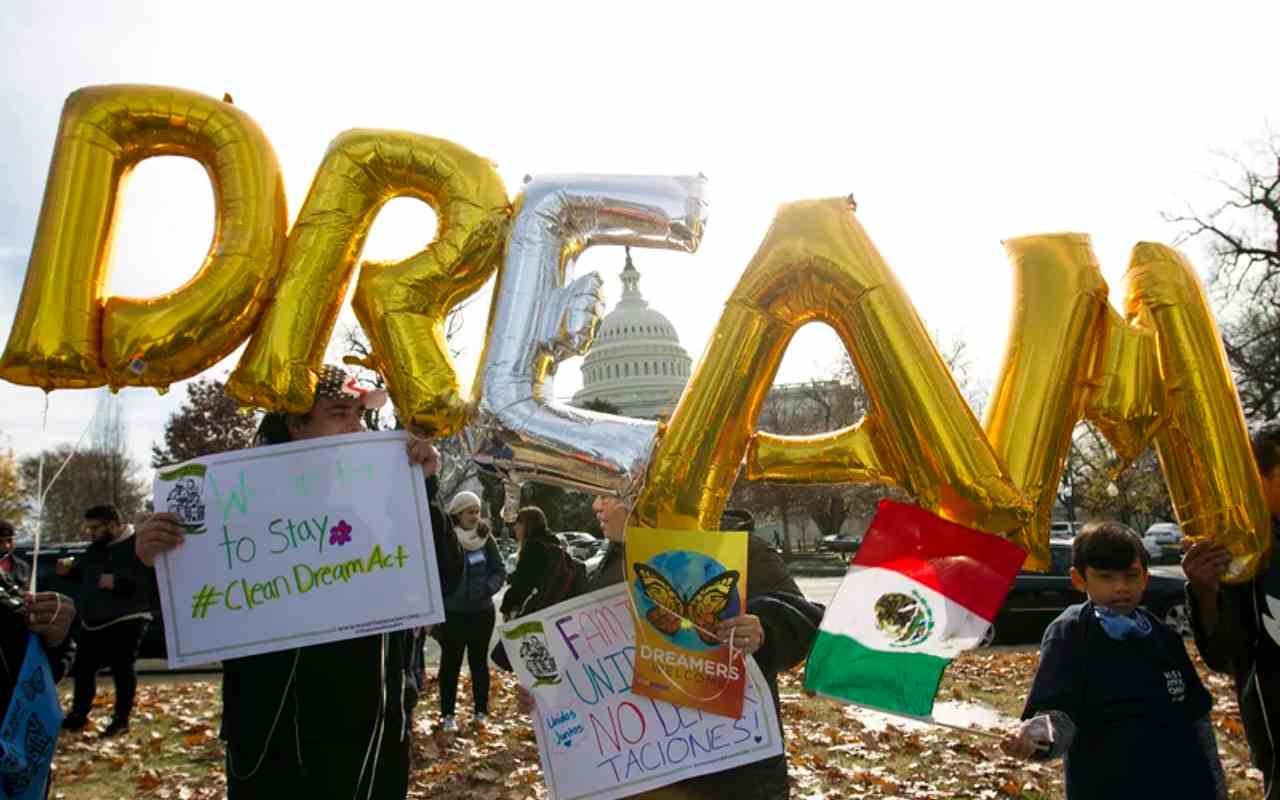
(1111, 676)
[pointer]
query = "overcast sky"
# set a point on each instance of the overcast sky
(953, 128)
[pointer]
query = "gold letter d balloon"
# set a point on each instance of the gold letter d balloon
(67, 333)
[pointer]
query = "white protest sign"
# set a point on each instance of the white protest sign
(598, 740)
(296, 544)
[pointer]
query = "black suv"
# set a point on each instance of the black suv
(1037, 599)
(47, 579)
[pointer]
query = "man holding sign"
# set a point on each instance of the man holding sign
(326, 720)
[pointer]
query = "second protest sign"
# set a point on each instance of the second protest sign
(597, 739)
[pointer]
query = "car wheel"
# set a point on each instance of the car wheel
(988, 637)
(1176, 617)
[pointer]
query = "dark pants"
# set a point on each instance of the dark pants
(329, 768)
(115, 646)
(469, 633)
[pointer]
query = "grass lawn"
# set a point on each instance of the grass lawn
(834, 751)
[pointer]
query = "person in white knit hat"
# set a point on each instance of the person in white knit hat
(469, 613)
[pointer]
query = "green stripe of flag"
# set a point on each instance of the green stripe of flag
(185, 471)
(904, 683)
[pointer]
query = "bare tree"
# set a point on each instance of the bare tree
(456, 467)
(824, 405)
(1242, 237)
(800, 409)
(358, 355)
(115, 472)
(359, 350)
(13, 495)
(210, 421)
(100, 472)
(1099, 489)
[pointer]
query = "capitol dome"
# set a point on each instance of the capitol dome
(636, 362)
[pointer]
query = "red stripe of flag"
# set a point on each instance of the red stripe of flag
(972, 568)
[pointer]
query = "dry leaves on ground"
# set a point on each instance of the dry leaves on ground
(835, 751)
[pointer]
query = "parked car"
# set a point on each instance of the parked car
(1154, 550)
(593, 563)
(1165, 533)
(509, 550)
(1037, 599)
(47, 579)
(838, 544)
(1061, 529)
(581, 546)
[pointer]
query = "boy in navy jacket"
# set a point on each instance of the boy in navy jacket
(1115, 693)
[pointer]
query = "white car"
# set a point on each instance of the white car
(1061, 529)
(1153, 548)
(581, 546)
(1165, 533)
(593, 563)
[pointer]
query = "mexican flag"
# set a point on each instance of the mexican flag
(921, 590)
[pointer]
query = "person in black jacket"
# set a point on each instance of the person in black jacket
(49, 615)
(539, 550)
(469, 616)
(10, 564)
(1235, 626)
(115, 610)
(329, 720)
(777, 629)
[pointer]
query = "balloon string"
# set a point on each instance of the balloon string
(734, 652)
(42, 491)
(35, 550)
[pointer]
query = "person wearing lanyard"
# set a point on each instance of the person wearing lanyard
(329, 720)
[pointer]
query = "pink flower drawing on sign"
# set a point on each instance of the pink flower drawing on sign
(340, 534)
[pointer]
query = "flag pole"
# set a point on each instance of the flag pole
(962, 729)
(924, 720)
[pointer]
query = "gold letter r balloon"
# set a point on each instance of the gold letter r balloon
(402, 306)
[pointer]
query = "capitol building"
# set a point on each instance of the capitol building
(636, 362)
(637, 365)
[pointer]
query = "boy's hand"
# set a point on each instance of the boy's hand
(1017, 745)
(1026, 740)
(1204, 565)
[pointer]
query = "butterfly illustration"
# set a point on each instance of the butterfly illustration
(33, 686)
(671, 612)
(38, 741)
